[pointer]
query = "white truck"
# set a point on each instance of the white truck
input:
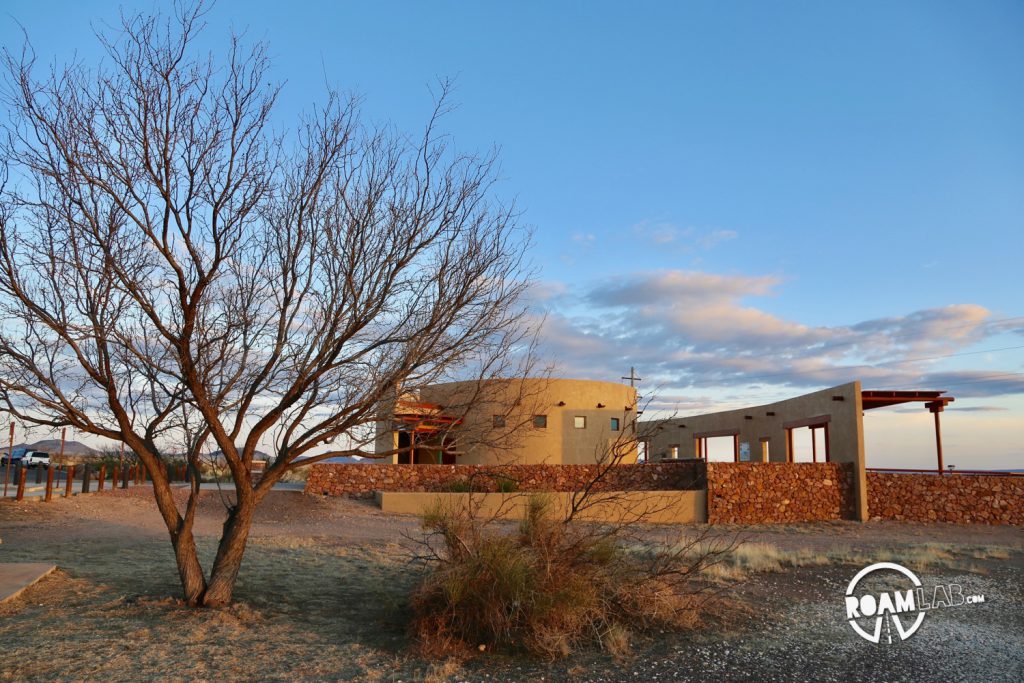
(35, 459)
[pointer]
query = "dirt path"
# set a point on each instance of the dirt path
(290, 514)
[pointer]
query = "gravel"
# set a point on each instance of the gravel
(808, 639)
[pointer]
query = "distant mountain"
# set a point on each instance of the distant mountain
(52, 446)
(353, 459)
(258, 455)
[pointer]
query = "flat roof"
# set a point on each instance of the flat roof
(881, 399)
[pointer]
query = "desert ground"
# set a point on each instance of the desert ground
(323, 596)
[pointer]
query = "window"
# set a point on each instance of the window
(579, 422)
(540, 421)
(615, 424)
(642, 448)
(673, 451)
(498, 421)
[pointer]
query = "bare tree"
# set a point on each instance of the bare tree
(176, 274)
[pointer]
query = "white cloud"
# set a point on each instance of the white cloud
(663, 234)
(696, 330)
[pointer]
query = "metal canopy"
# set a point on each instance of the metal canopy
(881, 399)
(934, 401)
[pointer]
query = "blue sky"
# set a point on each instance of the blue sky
(737, 198)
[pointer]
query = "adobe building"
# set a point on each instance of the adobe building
(765, 433)
(574, 422)
(511, 421)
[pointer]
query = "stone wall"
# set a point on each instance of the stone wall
(957, 498)
(360, 481)
(773, 493)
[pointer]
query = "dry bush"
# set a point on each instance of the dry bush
(548, 585)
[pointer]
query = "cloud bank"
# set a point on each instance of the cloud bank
(695, 331)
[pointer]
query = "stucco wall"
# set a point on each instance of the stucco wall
(772, 493)
(957, 498)
(650, 507)
(768, 422)
(516, 401)
(354, 480)
(842, 406)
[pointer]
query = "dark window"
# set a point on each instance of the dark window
(615, 424)
(405, 443)
(498, 421)
(540, 421)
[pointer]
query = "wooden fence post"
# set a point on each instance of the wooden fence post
(116, 478)
(39, 474)
(85, 477)
(49, 484)
(69, 480)
(124, 478)
(102, 479)
(22, 472)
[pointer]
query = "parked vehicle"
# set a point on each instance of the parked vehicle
(14, 458)
(35, 459)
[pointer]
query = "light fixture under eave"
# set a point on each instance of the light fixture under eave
(600, 405)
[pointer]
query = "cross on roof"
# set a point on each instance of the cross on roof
(632, 377)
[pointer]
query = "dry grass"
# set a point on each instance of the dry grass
(305, 610)
(443, 671)
(295, 476)
(319, 597)
(755, 558)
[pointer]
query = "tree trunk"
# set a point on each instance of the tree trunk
(229, 554)
(190, 571)
(193, 581)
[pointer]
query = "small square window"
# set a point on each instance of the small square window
(615, 424)
(540, 421)
(579, 422)
(498, 421)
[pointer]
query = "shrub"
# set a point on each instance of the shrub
(505, 485)
(460, 486)
(549, 586)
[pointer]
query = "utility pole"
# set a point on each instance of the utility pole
(10, 459)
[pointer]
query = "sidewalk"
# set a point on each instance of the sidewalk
(17, 576)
